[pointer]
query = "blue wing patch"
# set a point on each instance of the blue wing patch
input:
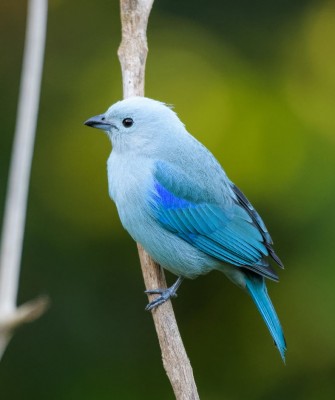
(232, 235)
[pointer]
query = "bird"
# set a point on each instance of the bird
(175, 199)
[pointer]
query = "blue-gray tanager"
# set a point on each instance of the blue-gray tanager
(174, 198)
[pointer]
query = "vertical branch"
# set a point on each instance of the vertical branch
(175, 360)
(18, 182)
(132, 54)
(134, 48)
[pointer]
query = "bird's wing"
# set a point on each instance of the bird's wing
(233, 232)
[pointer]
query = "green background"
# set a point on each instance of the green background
(255, 82)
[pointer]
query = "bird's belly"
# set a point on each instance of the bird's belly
(170, 251)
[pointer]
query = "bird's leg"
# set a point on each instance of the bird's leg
(165, 294)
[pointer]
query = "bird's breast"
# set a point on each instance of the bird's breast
(129, 181)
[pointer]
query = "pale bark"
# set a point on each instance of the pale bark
(132, 54)
(19, 176)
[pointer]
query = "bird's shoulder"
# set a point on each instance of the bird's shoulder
(188, 169)
(196, 182)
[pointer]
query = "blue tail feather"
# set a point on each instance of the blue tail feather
(257, 290)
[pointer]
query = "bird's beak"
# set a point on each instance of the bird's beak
(98, 122)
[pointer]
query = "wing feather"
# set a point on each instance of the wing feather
(233, 234)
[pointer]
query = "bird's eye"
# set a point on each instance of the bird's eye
(127, 122)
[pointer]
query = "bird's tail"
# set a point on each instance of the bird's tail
(257, 289)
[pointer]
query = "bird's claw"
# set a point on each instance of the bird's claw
(154, 291)
(165, 294)
(161, 291)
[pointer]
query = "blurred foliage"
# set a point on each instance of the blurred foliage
(255, 82)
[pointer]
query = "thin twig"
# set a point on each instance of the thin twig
(132, 54)
(19, 176)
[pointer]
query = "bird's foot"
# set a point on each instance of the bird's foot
(165, 294)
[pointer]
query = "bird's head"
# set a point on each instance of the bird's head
(137, 123)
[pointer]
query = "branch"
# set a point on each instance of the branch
(132, 54)
(174, 356)
(18, 182)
